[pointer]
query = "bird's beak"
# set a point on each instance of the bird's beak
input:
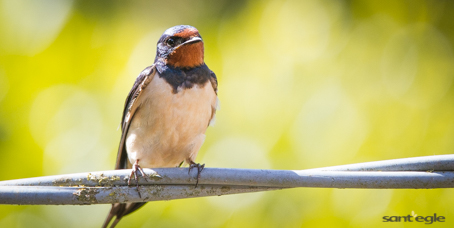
(194, 39)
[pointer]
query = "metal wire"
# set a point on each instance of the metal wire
(106, 187)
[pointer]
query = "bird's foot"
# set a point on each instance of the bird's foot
(199, 170)
(134, 173)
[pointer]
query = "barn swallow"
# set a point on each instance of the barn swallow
(167, 111)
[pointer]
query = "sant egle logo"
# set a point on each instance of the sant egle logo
(415, 218)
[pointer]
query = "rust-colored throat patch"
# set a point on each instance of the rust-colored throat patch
(187, 56)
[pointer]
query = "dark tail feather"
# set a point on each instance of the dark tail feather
(119, 210)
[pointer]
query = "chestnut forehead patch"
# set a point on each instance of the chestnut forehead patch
(188, 32)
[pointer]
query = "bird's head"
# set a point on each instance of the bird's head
(180, 46)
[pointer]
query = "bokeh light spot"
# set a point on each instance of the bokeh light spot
(66, 123)
(36, 24)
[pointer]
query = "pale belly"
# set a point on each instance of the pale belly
(169, 128)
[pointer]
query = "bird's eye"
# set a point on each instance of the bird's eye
(171, 42)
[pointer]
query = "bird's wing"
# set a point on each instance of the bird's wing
(215, 106)
(131, 106)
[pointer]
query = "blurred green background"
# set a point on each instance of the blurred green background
(302, 84)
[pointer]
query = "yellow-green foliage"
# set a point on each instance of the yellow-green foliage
(302, 84)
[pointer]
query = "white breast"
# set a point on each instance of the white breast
(169, 128)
